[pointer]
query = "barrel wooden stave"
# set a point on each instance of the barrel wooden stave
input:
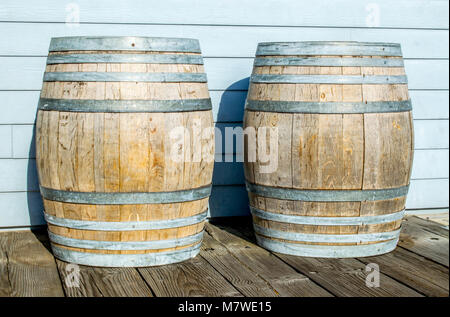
(123, 152)
(339, 151)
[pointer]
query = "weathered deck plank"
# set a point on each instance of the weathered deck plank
(27, 267)
(442, 218)
(195, 277)
(425, 238)
(231, 264)
(341, 277)
(419, 273)
(347, 277)
(285, 280)
(427, 225)
(236, 272)
(5, 285)
(86, 281)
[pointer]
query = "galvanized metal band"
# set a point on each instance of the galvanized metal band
(89, 105)
(125, 77)
(329, 62)
(117, 198)
(124, 43)
(125, 245)
(328, 79)
(327, 238)
(329, 48)
(328, 107)
(327, 195)
(327, 251)
(125, 58)
(328, 221)
(125, 260)
(125, 225)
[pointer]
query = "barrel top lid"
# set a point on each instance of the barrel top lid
(329, 48)
(124, 43)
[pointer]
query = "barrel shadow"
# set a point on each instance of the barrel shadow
(228, 197)
(34, 200)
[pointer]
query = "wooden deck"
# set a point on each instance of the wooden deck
(230, 264)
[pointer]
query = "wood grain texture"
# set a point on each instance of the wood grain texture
(27, 267)
(86, 281)
(229, 264)
(429, 240)
(284, 280)
(124, 152)
(332, 151)
(349, 274)
(242, 277)
(195, 277)
(419, 273)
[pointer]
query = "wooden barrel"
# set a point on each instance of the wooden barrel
(345, 147)
(120, 188)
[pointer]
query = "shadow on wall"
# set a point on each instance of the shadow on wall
(34, 200)
(229, 197)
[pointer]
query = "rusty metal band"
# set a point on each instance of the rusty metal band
(329, 62)
(125, 245)
(124, 43)
(125, 58)
(327, 79)
(327, 251)
(125, 260)
(124, 77)
(327, 195)
(327, 238)
(125, 225)
(117, 198)
(112, 106)
(328, 107)
(329, 48)
(327, 221)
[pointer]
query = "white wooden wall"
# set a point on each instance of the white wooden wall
(229, 31)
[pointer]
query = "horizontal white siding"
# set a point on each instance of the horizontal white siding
(335, 13)
(230, 41)
(229, 31)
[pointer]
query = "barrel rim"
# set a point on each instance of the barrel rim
(126, 225)
(125, 245)
(125, 105)
(328, 107)
(98, 58)
(333, 48)
(327, 251)
(125, 260)
(326, 195)
(294, 236)
(125, 77)
(124, 43)
(337, 43)
(126, 198)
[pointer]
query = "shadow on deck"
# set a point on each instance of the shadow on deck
(231, 264)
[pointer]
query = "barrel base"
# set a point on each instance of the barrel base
(125, 260)
(327, 251)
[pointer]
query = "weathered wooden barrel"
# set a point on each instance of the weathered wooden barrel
(345, 147)
(119, 187)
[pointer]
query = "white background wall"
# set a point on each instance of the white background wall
(229, 31)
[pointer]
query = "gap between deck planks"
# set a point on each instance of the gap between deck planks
(230, 264)
(405, 272)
